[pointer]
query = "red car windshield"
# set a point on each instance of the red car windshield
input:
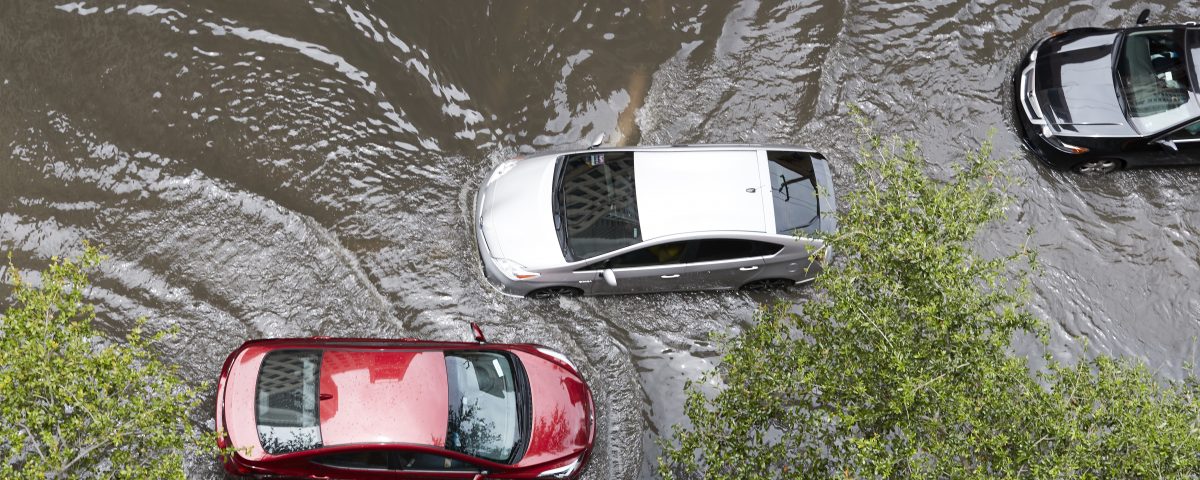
(484, 420)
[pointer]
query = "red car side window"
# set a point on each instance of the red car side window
(429, 461)
(391, 460)
(361, 459)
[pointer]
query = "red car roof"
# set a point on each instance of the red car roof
(389, 396)
(383, 397)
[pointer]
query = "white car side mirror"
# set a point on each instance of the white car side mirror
(609, 277)
(599, 140)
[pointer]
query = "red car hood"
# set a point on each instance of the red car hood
(562, 411)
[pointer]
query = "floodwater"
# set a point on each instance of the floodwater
(294, 168)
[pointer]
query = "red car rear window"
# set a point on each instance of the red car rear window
(286, 401)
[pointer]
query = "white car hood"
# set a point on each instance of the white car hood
(516, 215)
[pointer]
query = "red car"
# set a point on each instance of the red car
(364, 408)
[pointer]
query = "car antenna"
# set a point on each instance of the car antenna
(1143, 17)
(598, 141)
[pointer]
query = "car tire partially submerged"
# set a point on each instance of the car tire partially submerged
(1099, 166)
(554, 292)
(768, 285)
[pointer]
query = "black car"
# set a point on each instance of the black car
(1097, 100)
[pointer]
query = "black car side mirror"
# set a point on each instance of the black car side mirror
(1143, 17)
(1167, 145)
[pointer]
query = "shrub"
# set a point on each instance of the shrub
(900, 367)
(75, 405)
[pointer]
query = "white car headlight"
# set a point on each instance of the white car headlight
(514, 270)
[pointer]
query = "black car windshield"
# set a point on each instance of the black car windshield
(286, 401)
(484, 421)
(597, 203)
(794, 192)
(1154, 80)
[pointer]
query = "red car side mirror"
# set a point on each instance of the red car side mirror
(478, 338)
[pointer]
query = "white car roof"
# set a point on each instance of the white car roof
(693, 190)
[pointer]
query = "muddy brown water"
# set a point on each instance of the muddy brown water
(289, 168)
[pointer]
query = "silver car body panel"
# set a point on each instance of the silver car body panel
(684, 193)
(695, 191)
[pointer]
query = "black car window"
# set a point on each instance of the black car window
(601, 265)
(596, 203)
(429, 461)
(715, 249)
(391, 460)
(661, 254)
(766, 249)
(358, 459)
(1190, 132)
(286, 401)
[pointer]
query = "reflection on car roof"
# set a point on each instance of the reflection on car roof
(691, 191)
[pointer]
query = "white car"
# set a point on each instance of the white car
(654, 219)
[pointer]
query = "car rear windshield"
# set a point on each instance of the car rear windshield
(286, 401)
(596, 204)
(794, 192)
(1154, 80)
(484, 420)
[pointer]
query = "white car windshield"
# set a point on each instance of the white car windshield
(596, 203)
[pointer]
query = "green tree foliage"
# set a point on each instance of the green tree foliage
(74, 405)
(901, 367)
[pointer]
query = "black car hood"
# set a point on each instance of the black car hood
(1075, 87)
